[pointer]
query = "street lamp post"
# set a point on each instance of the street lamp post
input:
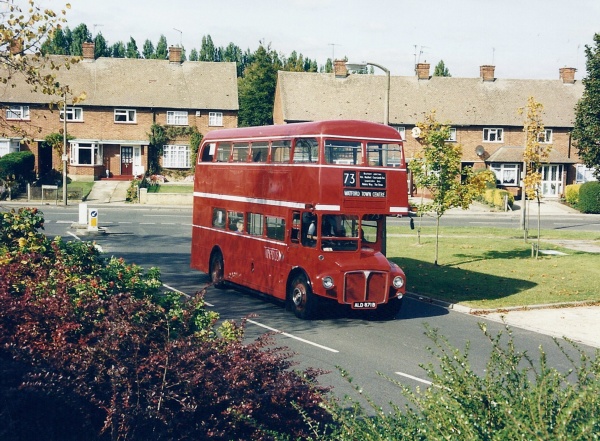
(386, 121)
(64, 155)
(386, 98)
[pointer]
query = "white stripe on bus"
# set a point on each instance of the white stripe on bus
(226, 197)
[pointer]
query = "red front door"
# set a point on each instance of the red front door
(127, 161)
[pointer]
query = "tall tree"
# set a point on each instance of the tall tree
(257, 89)
(162, 50)
(57, 43)
(22, 30)
(586, 132)
(437, 168)
(534, 155)
(207, 50)
(81, 34)
(441, 70)
(193, 55)
(101, 48)
(233, 53)
(148, 50)
(118, 50)
(132, 49)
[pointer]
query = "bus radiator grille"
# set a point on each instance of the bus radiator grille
(365, 286)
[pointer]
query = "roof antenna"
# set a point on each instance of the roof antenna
(180, 37)
(333, 45)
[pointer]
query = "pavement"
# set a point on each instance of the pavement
(576, 321)
(107, 191)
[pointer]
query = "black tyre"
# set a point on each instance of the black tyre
(216, 270)
(301, 299)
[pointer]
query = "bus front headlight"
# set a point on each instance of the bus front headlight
(328, 282)
(398, 282)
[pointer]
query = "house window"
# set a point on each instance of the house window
(17, 112)
(73, 114)
(506, 174)
(125, 116)
(215, 119)
(176, 156)
(86, 153)
(452, 135)
(583, 174)
(402, 131)
(177, 118)
(493, 135)
(9, 146)
(545, 137)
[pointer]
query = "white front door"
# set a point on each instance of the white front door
(552, 184)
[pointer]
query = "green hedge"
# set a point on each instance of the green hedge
(589, 197)
(495, 197)
(17, 165)
(572, 194)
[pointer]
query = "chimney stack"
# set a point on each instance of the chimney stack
(422, 71)
(174, 54)
(487, 72)
(567, 74)
(88, 50)
(340, 69)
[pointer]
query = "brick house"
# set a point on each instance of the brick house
(482, 113)
(124, 98)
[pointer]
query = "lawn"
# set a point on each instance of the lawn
(171, 188)
(79, 189)
(493, 268)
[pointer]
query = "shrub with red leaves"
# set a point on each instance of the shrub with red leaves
(92, 349)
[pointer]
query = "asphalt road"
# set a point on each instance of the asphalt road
(369, 350)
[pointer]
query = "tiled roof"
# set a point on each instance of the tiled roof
(459, 101)
(140, 83)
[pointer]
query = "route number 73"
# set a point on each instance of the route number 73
(349, 178)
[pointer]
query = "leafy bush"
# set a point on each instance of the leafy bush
(572, 194)
(516, 398)
(495, 197)
(589, 197)
(99, 344)
(17, 165)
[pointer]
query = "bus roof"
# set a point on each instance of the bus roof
(341, 128)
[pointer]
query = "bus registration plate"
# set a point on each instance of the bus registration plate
(364, 305)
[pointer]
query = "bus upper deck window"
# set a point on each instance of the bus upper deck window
(306, 150)
(260, 151)
(208, 152)
(389, 155)
(240, 152)
(223, 151)
(343, 152)
(280, 151)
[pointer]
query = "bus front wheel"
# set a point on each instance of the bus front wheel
(301, 298)
(216, 270)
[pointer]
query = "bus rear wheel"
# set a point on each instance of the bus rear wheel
(216, 270)
(301, 298)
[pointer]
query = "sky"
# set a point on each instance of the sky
(524, 39)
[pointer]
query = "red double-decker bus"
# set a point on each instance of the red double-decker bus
(298, 211)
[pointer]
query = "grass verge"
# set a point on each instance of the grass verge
(171, 188)
(493, 268)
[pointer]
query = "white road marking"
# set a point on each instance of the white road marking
(402, 374)
(265, 326)
(293, 336)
